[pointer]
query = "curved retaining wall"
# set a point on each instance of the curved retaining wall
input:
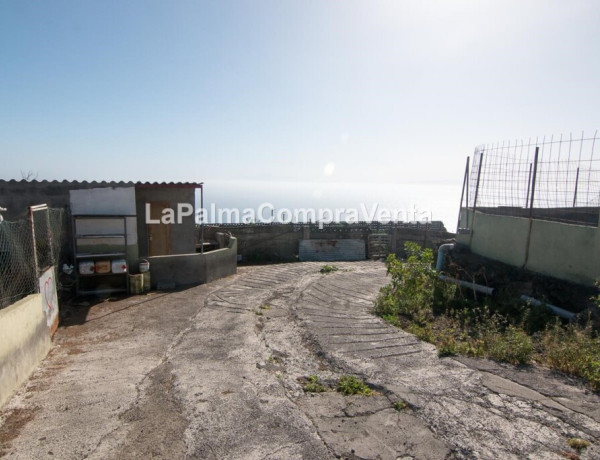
(188, 269)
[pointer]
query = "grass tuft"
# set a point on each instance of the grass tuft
(400, 405)
(578, 444)
(329, 269)
(350, 385)
(313, 385)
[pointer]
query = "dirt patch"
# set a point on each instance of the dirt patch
(157, 423)
(13, 424)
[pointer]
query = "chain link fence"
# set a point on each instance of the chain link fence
(28, 247)
(18, 277)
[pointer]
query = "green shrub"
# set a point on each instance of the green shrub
(350, 385)
(415, 287)
(329, 269)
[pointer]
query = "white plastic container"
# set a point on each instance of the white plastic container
(144, 266)
(119, 266)
(87, 268)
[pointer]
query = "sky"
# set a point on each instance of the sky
(314, 103)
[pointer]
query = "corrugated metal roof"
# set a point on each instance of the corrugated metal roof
(106, 183)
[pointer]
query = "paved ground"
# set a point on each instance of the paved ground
(207, 373)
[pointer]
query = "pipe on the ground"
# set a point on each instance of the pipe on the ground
(557, 310)
(476, 287)
(442, 250)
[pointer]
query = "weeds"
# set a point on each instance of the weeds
(329, 269)
(578, 444)
(573, 350)
(274, 359)
(350, 385)
(313, 385)
(437, 312)
(400, 405)
(513, 345)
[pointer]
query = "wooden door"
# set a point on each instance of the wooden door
(159, 235)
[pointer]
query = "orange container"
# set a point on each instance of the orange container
(102, 266)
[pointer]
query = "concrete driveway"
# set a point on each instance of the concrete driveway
(216, 372)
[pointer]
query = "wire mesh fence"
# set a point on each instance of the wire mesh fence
(44, 256)
(26, 250)
(18, 276)
(60, 232)
(552, 179)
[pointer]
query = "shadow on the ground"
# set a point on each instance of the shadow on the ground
(75, 313)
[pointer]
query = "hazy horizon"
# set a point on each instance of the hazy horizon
(435, 201)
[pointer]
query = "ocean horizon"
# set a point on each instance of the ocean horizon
(282, 201)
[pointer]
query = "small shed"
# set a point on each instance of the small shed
(155, 221)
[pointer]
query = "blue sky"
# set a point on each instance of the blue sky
(313, 92)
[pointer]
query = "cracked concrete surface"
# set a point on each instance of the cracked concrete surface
(213, 372)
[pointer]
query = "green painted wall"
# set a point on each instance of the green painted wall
(564, 251)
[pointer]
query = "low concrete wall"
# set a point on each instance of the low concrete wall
(259, 243)
(332, 250)
(569, 252)
(281, 242)
(222, 262)
(25, 341)
(564, 251)
(190, 269)
(501, 238)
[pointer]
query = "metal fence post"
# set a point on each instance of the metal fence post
(531, 202)
(462, 194)
(576, 185)
(50, 242)
(475, 197)
(528, 187)
(533, 179)
(202, 218)
(35, 257)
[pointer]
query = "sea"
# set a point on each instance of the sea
(266, 201)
